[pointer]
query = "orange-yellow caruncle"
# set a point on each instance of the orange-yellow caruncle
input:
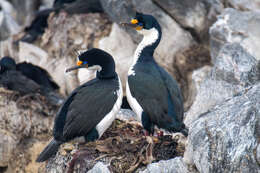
(134, 21)
(79, 63)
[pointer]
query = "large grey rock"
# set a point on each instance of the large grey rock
(225, 138)
(189, 14)
(234, 26)
(8, 25)
(234, 69)
(99, 167)
(25, 11)
(245, 4)
(236, 66)
(235, 56)
(175, 165)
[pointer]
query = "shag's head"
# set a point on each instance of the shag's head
(94, 59)
(7, 63)
(143, 23)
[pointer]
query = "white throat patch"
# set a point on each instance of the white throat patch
(95, 68)
(150, 37)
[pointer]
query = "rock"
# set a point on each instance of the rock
(258, 154)
(234, 26)
(7, 144)
(189, 14)
(175, 165)
(236, 66)
(25, 11)
(197, 78)
(24, 124)
(8, 25)
(123, 54)
(99, 167)
(224, 139)
(245, 5)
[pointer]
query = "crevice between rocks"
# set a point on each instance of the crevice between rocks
(192, 31)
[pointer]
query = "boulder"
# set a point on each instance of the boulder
(175, 165)
(8, 25)
(234, 26)
(245, 5)
(225, 138)
(236, 61)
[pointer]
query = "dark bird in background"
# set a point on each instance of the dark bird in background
(153, 93)
(38, 25)
(27, 78)
(92, 107)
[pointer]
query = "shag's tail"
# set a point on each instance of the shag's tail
(49, 151)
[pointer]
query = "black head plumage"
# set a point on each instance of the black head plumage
(147, 21)
(7, 63)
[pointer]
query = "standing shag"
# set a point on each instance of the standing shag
(151, 92)
(92, 107)
(27, 78)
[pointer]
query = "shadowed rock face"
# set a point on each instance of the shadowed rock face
(225, 138)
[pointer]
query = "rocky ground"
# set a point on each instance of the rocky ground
(212, 48)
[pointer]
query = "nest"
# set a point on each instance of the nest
(124, 148)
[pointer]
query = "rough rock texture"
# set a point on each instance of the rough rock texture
(234, 26)
(25, 11)
(223, 121)
(245, 4)
(8, 25)
(225, 138)
(175, 165)
(99, 167)
(236, 65)
(23, 120)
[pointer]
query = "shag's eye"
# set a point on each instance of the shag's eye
(85, 62)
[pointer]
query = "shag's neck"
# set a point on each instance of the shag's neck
(107, 70)
(146, 48)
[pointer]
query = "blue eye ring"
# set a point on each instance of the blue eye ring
(85, 62)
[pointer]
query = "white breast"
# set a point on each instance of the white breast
(133, 103)
(110, 117)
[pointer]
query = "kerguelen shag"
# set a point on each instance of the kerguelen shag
(92, 107)
(27, 78)
(151, 92)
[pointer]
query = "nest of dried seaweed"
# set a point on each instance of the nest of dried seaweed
(123, 147)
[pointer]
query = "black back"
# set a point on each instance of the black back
(37, 74)
(158, 94)
(85, 108)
